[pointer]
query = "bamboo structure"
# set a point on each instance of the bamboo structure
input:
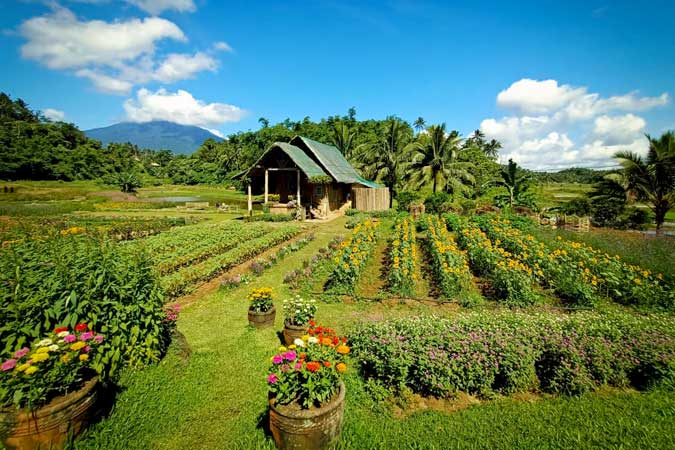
(370, 199)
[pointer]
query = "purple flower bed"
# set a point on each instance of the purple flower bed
(488, 353)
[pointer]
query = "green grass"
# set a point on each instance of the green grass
(217, 399)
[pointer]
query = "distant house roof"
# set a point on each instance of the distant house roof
(316, 160)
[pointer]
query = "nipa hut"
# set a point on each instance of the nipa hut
(311, 175)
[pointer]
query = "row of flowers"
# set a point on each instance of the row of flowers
(448, 263)
(512, 280)
(352, 256)
(403, 258)
(573, 282)
(297, 277)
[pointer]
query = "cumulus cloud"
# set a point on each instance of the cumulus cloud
(223, 46)
(156, 7)
(114, 56)
(558, 125)
(54, 114)
(179, 107)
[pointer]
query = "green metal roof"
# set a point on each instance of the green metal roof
(333, 161)
(298, 156)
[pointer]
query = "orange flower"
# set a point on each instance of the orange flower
(342, 349)
(326, 363)
(327, 341)
(341, 367)
(313, 366)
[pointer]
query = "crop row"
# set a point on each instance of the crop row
(183, 281)
(403, 258)
(512, 280)
(573, 283)
(352, 256)
(448, 263)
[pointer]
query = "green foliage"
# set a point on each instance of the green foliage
(406, 198)
(516, 183)
(128, 182)
(506, 352)
(438, 203)
(271, 217)
(64, 280)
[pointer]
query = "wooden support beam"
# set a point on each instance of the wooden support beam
(267, 182)
(250, 201)
(298, 178)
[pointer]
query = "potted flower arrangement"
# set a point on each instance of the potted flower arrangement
(298, 313)
(306, 392)
(261, 311)
(48, 390)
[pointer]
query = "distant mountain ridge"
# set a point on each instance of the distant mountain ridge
(156, 135)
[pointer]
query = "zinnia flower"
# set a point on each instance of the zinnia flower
(38, 357)
(69, 339)
(98, 338)
(45, 343)
(77, 345)
(81, 327)
(8, 365)
(63, 333)
(31, 370)
(21, 353)
(22, 367)
(83, 357)
(341, 367)
(277, 359)
(272, 378)
(60, 330)
(53, 348)
(86, 336)
(298, 365)
(313, 366)
(326, 363)
(342, 349)
(290, 356)
(299, 343)
(312, 340)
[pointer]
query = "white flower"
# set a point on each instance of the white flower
(63, 334)
(53, 348)
(313, 340)
(45, 343)
(299, 342)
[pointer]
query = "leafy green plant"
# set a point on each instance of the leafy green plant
(260, 299)
(298, 311)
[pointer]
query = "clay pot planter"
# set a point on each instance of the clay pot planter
(50, 426)
(293, 332)
(308, 429)
(262, 319)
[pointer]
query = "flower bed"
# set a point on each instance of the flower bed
(506, 352)
(295, 278)
(511, 280)
(352, 257)
(448, 262)
(403, 258)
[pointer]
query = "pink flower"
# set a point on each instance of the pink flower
(278, 359)
(290, 355)
(69, 339)
(86, 349)
(20, 353)
(298, 365)
(84, 337)
(98, 338)
(8, 365)
(271, 379)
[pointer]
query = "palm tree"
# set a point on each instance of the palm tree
(342, 138)
(384, 160)
(516, 185)
(652, 179)
(491, 149)
(264, 122)
(434, 160)
(419, 124)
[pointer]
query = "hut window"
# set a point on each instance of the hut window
(318, 190)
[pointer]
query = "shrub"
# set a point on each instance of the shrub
(63, 280)
(405, 199)
(438, 203)
(491, 352)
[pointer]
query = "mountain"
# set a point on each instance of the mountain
(157, 135)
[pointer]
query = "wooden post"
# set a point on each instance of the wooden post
(267, 180)
(298, 195)
(250, 201)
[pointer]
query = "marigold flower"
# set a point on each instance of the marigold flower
(343, 349)
(341, 367)
(83, 357)
(38, 357)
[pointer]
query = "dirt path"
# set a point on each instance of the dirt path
(423, 283)
(372, 281)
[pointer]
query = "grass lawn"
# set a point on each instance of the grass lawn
(217, 398)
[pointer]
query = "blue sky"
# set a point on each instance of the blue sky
(559, 83)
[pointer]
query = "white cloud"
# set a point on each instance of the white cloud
(54, 114)
(557, 126)
(114, 56)
(223, 46)
(180, 107)
(60, 41)
(216, 132)
(156, 7)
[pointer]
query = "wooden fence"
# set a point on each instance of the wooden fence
(370, 199)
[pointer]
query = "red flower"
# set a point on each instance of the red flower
(81, 327)
(326, 363)
(335, 341)
(312, 323)
(344, 339)
(60, 329)
(313, 366)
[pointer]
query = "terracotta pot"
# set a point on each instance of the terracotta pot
(293, 332)
(262, 319)
(50, 426)
(308, 429)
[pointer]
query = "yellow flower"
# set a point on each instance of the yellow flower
(42, 350)
(336, 259)
(83, 357)
(22, 367)
(77, 345)
(65, 358)
(282, 349)
(292, 347)
(38, 357)
(31, 370)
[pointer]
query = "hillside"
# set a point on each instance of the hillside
(158, 135)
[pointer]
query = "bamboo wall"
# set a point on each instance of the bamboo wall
(370, 199)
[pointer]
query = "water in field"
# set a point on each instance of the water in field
(178, 199)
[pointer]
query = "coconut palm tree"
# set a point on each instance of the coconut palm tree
(419, 124)
(384, 160)
(652, 178)
(342, 138)
(434, 161)
(516, 185)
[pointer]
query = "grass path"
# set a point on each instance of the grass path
(217, 399)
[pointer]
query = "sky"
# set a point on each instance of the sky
(558, 83)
